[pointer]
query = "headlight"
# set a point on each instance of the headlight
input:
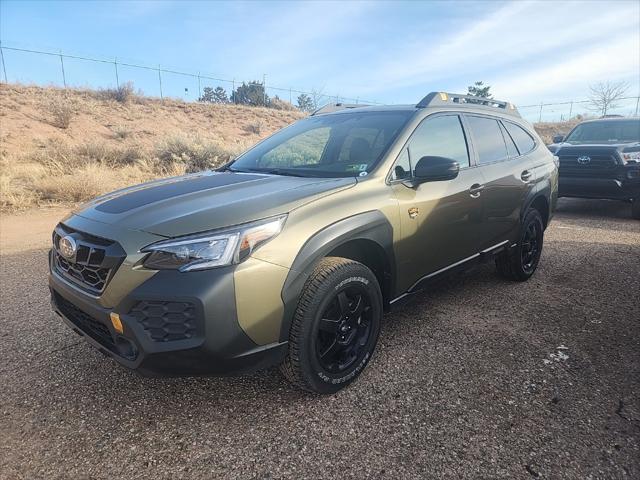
(631, 157)
(212, 249)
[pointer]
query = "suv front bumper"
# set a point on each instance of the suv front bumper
(173, 324)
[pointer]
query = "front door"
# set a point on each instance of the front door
(439, 220)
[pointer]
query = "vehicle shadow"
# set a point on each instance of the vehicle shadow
(589, 208)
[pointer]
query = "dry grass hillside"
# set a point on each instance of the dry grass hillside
(65, 146)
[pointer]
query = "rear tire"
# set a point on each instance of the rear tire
(635, 208)
(520, 263)
(335, 327)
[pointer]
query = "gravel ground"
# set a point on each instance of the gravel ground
(477, 378)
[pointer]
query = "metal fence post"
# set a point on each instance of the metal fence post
(570, 110)
(4, 69)
(540, 116)
(115, 64)
(199, 92)
(160, 82)
(264, 88)
(233, 89)
(64, 78)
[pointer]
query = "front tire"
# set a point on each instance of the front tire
(520, 263)
(335, 327)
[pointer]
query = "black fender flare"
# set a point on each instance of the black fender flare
(372, 226)
(542, 191)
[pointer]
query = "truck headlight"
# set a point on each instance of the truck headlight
(630, 157)
(217, 248)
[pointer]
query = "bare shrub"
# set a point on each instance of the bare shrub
(254, 127)
(122, 94)
(196, 154)
(61, 112)
(279, 104)
(100, 152)
(87, 183)
(121, 132)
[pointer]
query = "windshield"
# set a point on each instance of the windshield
(606, 131)
(340, 145)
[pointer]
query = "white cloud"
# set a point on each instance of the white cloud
(521, 46)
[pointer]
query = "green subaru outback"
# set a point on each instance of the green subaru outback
(290, 254)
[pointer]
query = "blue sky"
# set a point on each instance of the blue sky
(390, 52)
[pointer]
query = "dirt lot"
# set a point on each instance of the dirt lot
(478, 378)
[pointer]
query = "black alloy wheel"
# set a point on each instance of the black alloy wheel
(344, 329)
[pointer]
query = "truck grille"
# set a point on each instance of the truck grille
(93, 263)
(601, 165)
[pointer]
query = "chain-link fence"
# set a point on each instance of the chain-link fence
(561, 111)
(23, 65)
(20, 65)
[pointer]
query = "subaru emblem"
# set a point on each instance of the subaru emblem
(584, 160)
(67, 246)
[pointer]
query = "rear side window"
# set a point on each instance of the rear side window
(524, 141)
(440, 136)
(487, 139)
(511, 146)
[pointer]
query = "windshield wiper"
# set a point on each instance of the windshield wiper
(277, 171)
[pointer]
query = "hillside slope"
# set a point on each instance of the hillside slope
(63, 146)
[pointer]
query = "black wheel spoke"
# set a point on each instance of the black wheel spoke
(357, 307)
(328, 325)
(343, 301)
(330, 352)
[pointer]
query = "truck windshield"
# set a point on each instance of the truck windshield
(338, 145)
(606, 131)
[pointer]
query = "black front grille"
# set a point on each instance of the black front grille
(166, 321)
(85, 322)
(94, 262)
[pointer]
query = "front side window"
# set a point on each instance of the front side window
(523, 140)
(440, 136)
(339, 145)
(487, 139)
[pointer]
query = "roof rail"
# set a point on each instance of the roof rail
(442, 99)
(334, 107)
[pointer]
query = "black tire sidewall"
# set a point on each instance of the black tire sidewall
(532, 216)
(314, 373)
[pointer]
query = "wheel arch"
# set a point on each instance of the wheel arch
(366, 237)
(540, 202)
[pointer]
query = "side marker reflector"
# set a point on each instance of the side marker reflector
(116, 322)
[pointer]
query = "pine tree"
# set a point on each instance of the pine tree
(305, 103)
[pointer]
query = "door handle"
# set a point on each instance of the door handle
(526, 176)
(475, 190)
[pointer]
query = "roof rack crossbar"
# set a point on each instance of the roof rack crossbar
(334, 107)
(441, 99)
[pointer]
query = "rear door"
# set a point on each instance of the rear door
(508, 177)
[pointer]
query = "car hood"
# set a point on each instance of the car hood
(206, 201)
(564, 146)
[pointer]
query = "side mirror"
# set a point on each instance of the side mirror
(434, 169)
(558, 138)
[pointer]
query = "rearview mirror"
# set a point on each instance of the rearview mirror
(434, 169)
(558, 138)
